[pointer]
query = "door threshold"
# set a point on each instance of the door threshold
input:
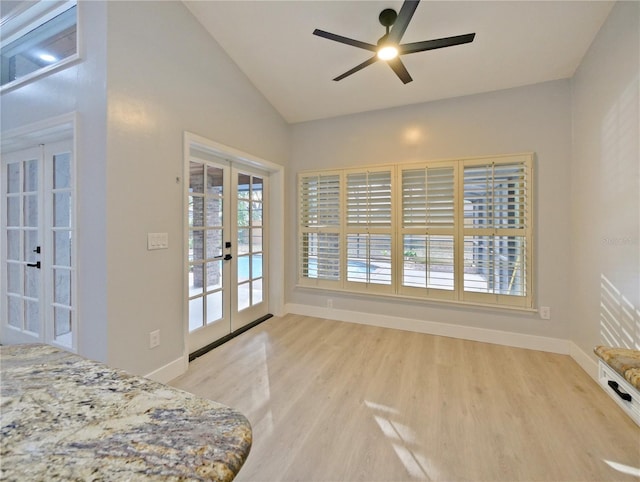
(206, 349)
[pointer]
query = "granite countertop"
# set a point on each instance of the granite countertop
(65, 417)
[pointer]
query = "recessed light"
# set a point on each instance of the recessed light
(47, 58)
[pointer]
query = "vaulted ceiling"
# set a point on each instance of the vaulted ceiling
(517, 43)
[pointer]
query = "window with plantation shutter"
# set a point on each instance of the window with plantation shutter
(497, 231)
(320, 227)
(463, 231)
(368, 230)
(428, 222)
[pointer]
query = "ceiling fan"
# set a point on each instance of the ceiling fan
(388, 47)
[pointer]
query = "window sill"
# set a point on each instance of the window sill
(469, 304)
(15, 84)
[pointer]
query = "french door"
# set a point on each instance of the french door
(227, 269)
(38, 274)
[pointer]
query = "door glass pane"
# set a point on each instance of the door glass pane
(214, 181)
(31, 210)
(13, 177)
(13, 211)
(196, 277)
(196, 177)
(13, 278)
(31, 176)
(243, 268)
(62, 287)
(62, 171)
(243, 241)
(256, 266)
(62, 324)
(196, 312)
(256, 189)
(214, 243)
(214, 211)
(62, 248)
(243, 213)
(243, 186)
(256, 239)
(214, 306)
(243, 296)
(214, 275)
(31, 316)
(196, 211)
(257, 291)
(256, 213)
(31, 281)
(13, 244)
(62, 209)
(30, 246)
(15, 311)
(196, 245)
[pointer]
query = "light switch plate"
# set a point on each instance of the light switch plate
(157, 241)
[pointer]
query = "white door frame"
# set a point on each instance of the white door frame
(275, 234)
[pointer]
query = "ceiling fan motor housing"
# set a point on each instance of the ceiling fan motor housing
(387, 17)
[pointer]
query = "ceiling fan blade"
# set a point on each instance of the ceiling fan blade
(436, 44)
(400, 70)
(357, 67)
(402, 21)
(345, 40)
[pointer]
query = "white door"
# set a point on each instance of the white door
(226, 251)
(37, 259)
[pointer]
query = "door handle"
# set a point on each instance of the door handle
(34, 265)
(226, 257)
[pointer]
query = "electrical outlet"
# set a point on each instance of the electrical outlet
(545, 312)
(154, 339)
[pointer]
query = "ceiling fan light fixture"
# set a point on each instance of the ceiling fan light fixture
(387, 52)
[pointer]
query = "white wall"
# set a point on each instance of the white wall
(165, 75)
(605, 190)
(80, 88)
(535, 118)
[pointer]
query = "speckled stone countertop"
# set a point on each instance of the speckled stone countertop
(68, 418)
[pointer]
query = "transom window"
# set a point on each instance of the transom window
(37, 37)
(457, 230)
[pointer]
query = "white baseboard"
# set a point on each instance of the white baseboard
(587, 363)
(170, 371)
(519, 340)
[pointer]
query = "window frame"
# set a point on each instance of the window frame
(23, 21)
(398, 229)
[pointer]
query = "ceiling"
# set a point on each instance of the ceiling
(517, 43)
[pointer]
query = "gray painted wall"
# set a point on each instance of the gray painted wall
(136, 91)
(534, 118)
(605, 189)
(163, 79)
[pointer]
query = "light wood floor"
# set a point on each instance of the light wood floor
(333, 401)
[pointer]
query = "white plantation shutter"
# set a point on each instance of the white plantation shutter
(369, 235)
(319, 254)
(428, 221)
(428, 197)
(497, 231)
(458, 230)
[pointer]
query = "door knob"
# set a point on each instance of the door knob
(34, 265)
